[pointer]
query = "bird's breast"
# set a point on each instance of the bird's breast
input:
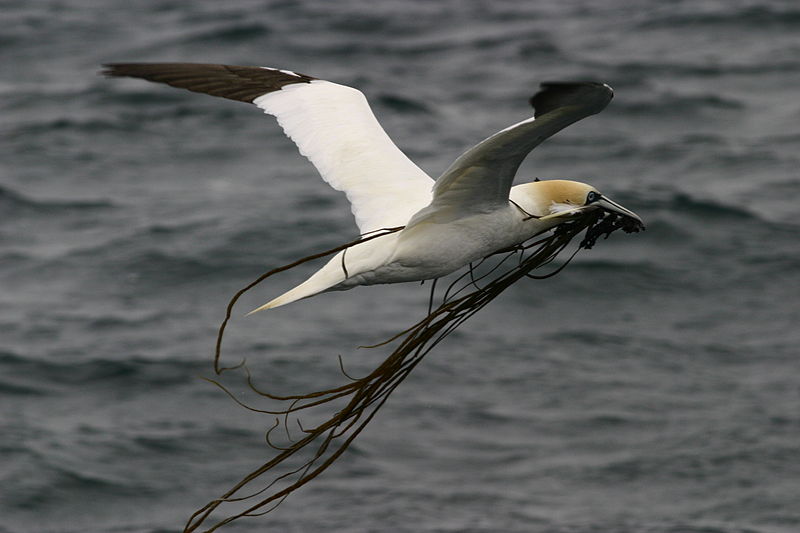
(435, 250)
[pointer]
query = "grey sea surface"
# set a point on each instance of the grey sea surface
(651, 387)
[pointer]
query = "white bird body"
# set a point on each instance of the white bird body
(429, 249)
(469, 212)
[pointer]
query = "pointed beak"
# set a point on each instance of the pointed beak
(614, 207)
(257, 309)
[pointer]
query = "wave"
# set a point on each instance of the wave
(670, 526)
(404, 104)
(57, 482)
(228, 34)
(757, 16)
(55, 125)
(705, 208)
(160, 255)
(680, 104)
(714, 461)
(516, 38)
(9, 388)
(12, 201)
(707, 212)
(634, 73)
(648, 275)
(44, 377)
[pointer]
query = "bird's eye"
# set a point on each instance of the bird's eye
(592, 197)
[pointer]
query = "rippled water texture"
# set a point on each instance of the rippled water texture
(650, 387)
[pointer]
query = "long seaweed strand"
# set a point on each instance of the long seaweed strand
(262, 490)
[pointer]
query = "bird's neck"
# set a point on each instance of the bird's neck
(528, 199)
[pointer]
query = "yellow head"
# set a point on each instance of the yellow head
(562, 198)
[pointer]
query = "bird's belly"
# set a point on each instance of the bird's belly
(431, 250)
(434, 250)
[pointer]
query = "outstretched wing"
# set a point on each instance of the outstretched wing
(331, 124)
(481, 178)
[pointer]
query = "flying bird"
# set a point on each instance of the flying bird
(468, 213)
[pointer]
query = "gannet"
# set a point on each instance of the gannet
(468, 213)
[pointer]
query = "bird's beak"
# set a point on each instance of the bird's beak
(603, 203)
(614, 207)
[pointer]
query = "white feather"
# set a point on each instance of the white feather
(558, 207)
(334, 127)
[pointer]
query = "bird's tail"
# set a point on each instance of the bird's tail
(324, 279)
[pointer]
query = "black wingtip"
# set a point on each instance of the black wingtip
(556, 94)
(109, 70)
(235, 82)
(119, 70)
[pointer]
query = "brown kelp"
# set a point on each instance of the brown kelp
(346, 409)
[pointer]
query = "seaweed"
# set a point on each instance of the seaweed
(348, 408)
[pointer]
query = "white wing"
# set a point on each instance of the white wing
(332, 125)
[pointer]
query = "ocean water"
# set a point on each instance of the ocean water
(653, 386)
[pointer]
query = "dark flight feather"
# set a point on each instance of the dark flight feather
(227, 81)
(592, 96)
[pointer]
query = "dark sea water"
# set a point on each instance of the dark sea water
(652, 387)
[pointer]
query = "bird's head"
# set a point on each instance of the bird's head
(563, 199)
